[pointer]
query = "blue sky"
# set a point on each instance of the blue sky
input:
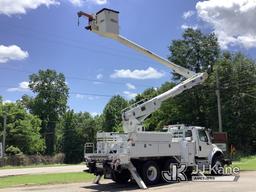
(42, 34)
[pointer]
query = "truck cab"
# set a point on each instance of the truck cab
(205, 150)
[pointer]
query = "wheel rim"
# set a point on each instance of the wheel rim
(152, 173)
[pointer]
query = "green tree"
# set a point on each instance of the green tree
(238, 83)
(99, 121)
(22, 129)
(147, 94)
(78, 129)
(49, 104)
(195, 51)
(112, 114)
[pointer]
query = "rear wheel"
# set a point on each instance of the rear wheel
(168, 167)
(121, 177)
(150, 173)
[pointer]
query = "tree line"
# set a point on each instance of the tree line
(44, 123)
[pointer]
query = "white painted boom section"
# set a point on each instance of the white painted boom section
(134, 115)
(176, 68)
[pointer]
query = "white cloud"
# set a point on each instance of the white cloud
(130, 86)
(99, 76)
(129, 94)
(23, 87)
(10, 7)
(98, 2)
(88, 97)
(149, 73)
(7, 101)
(97, 82)
(94, 114)
(77, 3)
(233, 21)
(79, 96)
(188, 14)
(12, 52)
(184, 26)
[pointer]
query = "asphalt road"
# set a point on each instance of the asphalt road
(42, 170)
(246, 183)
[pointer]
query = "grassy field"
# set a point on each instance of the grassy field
(246, 163)
(44, 179)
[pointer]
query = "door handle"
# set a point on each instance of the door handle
(200, 148)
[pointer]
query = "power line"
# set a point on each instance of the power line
(91, 94)
(76, 93)
(60, 36)
(79, 78)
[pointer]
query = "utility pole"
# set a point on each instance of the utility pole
(4, 134)
(218, 101)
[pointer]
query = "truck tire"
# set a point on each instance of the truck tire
(217, 165)
(189, 172)
(121, 177)
(166, 167)
(150, 173)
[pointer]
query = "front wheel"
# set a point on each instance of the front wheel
(150, 173)
(189, 172)
(218, 166)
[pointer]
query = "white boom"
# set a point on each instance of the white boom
(106, 23)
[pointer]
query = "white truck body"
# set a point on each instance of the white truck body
(124, 147)
(118, 151)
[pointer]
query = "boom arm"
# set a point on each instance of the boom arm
(105, 23)
(175, 68)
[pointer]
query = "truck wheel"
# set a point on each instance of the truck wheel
(217, 166)
(167, 167)
(121, 177)
(188, 173)
(150, 173)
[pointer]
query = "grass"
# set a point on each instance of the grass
(246, 163)
(44, 179)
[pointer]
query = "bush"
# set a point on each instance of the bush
(13, 150)
(23, 160)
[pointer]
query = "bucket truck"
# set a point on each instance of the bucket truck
(142, 155)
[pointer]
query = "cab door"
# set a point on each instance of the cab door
(204, 146)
